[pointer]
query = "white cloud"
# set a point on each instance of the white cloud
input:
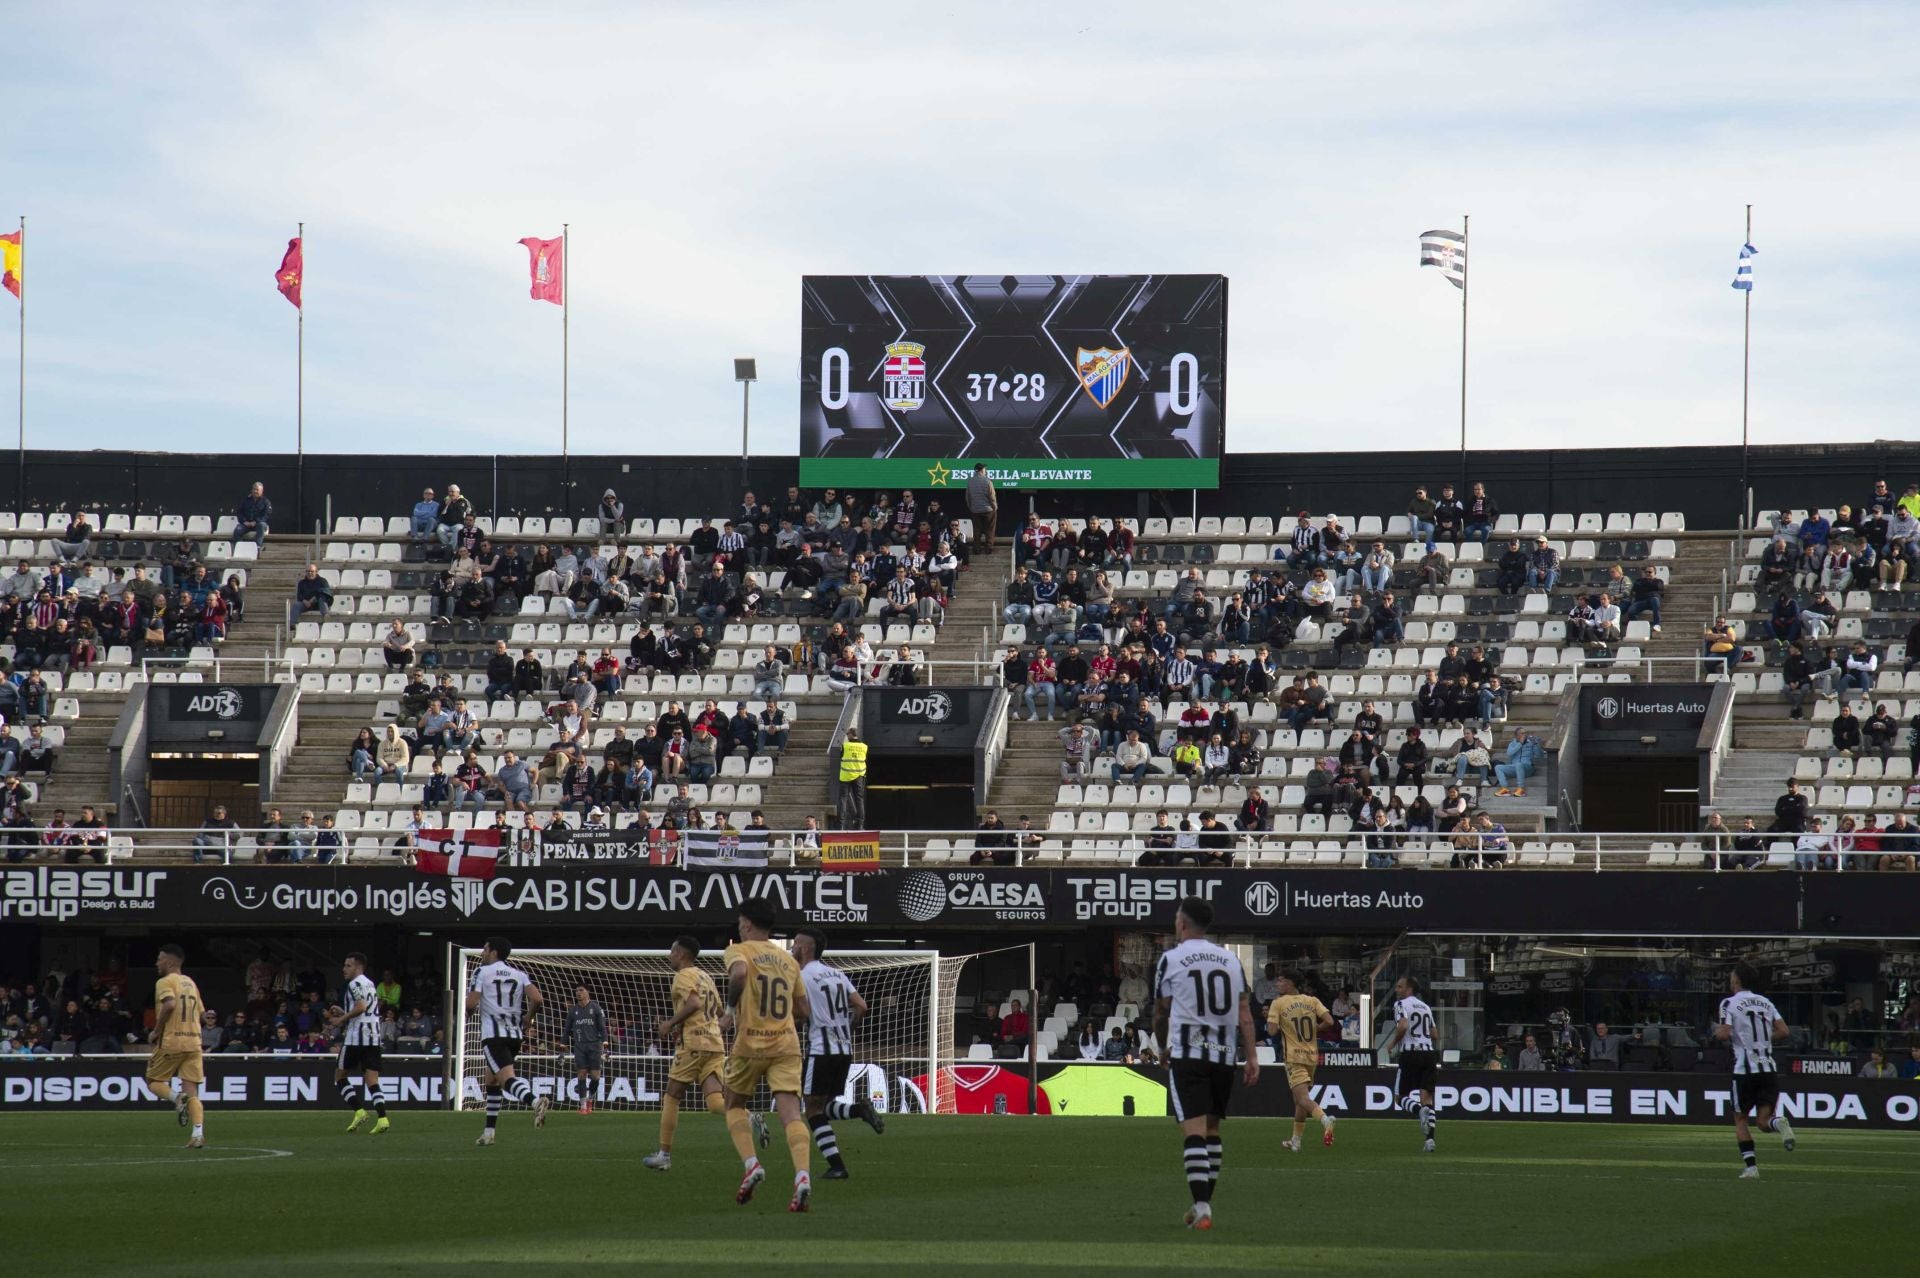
(708, 155)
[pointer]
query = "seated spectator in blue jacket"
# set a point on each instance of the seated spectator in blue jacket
(425, 517)
(1814, 531)
(253, 515)
(1523, 756)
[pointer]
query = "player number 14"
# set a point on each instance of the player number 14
(1022, 386)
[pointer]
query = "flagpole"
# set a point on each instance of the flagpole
(21, 407)
(300, 355)
(300, 381)
(1746, 363)
(566, 294)
(1466, 264)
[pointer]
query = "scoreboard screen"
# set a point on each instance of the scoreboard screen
(1054, 381)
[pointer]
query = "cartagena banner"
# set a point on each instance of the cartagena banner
(850, 850)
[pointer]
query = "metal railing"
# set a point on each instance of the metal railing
(1040, 848)
(215, 669)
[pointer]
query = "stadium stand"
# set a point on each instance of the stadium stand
(389, 610)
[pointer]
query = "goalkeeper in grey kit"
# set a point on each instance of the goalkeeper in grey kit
(587, 1039)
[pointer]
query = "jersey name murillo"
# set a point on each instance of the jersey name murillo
(1205, 983)
(1749, 1018)
(1419, 1019)
(362, 1030)
(829, 1009)
(503, 999)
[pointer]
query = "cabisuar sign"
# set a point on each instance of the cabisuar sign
(1306, 902)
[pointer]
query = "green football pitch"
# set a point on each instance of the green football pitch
(290, 1194)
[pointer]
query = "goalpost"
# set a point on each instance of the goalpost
(906, 1039)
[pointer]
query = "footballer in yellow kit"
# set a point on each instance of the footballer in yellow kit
(702, 1052)
(767, 995)
(765, 1042)
(176, 1041)
(1301, 1020)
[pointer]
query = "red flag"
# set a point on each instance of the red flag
(545, 261)
(462, 854)
(287, 278)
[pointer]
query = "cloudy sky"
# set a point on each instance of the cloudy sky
(709, 154)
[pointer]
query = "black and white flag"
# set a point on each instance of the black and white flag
(1448, 251)
(726, 849)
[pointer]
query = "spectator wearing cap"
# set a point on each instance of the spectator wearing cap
(424, 517)
(1337, 552)
(1543, 569)
(1303, 549)
(1376, 570)
(701, 752)
(253, 515)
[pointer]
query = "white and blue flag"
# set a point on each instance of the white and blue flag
(1743, 274)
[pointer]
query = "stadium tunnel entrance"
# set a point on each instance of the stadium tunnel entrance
(1640, 757)
(185, 747)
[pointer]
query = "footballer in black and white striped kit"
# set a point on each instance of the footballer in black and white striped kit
(1417, 1035)
(507, 1001)
(1204, 1017)
(359, 1014)
(834, 1007)
(1752, 1024)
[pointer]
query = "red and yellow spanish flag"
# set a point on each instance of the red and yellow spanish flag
(546, 263)
(10, 261)
(287, 278)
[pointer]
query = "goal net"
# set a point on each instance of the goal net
(905, 1039)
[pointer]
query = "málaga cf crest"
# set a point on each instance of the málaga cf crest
(1102, 372)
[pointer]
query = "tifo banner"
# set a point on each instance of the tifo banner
(1050, 381)
(1306, 902)
(726, 849)
(850, 850)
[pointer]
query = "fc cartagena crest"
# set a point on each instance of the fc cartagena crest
(1102, 372)
(906, 375)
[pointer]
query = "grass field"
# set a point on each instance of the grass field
(291, 1194)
